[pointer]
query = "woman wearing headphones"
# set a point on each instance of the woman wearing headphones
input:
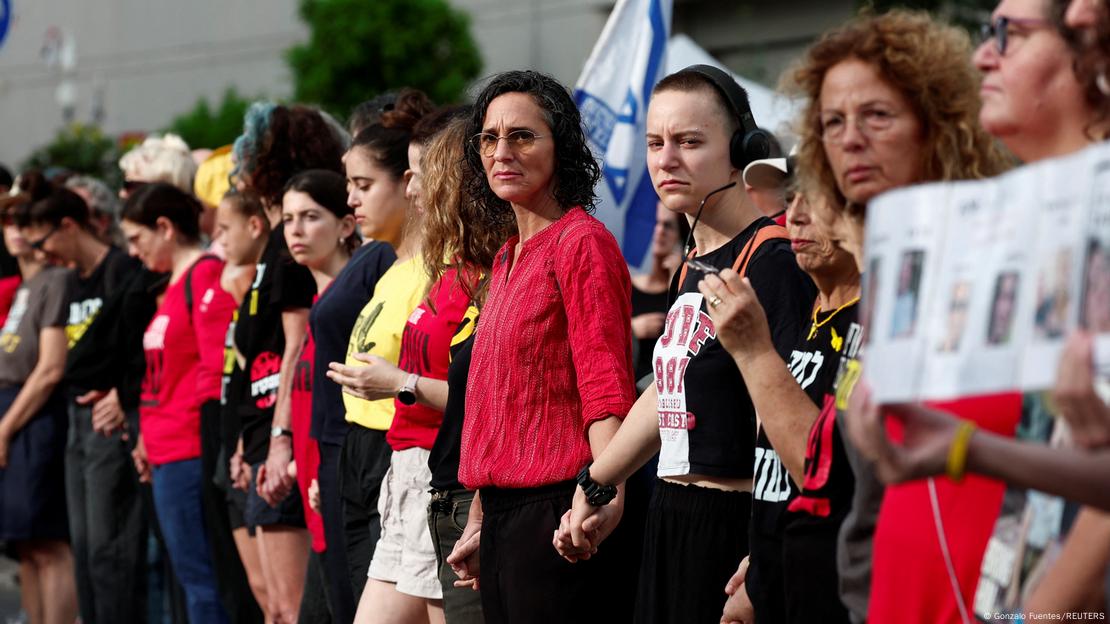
(700, 136)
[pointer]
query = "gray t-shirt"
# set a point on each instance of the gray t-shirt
(853, 553)
(40, 302)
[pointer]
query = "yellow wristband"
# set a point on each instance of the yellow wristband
(957, 452)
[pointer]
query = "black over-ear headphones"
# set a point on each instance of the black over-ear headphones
(749, 143)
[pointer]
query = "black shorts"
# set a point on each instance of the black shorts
(32, 486)
(523, 579)
(694, 539)
(237, 509)
(289, 512)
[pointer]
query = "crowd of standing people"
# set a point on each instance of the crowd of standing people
(398, 372)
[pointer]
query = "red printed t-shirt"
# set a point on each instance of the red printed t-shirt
(425, 350)
(306, 451)
(184, 363)
(552, 355)
(909, 579)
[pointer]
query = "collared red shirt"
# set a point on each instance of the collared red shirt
(552, 355)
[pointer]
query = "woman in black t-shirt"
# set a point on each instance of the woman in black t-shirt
(698, 414)
(277, 143)
(792, 577)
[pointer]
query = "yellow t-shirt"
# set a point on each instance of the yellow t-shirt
(378, 330)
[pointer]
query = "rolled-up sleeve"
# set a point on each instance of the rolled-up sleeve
(596, 291)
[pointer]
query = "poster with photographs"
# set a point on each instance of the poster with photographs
(977, 285)
(901, 243)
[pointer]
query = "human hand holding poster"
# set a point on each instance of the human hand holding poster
(978, 284)
(1013, 266)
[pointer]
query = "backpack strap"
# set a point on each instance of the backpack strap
(189, 283)
(764, 234)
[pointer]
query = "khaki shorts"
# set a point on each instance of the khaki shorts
(405, 554)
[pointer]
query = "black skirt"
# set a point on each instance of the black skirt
(32, 486)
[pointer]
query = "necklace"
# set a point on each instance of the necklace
(816, 326)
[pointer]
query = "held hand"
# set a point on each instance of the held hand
(928, 434)
(240, 472)
(274, 483)
(738, 578)
(314, 496)
(91, 397)
(738, 608)
(142, 465)
(379, 379)
(107, 414)
(738, 316)
(1076, 400)
(464, 556)
(650, 325)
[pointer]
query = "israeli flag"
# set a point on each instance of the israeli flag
(612, 95)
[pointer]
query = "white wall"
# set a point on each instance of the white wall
(145, 60)
(151, 59)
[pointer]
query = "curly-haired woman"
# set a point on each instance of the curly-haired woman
(551, 370)
(893, 102)
(277, 143)
(1039, 108)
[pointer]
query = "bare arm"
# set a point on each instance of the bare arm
(618, 455)
(775, 392)
(1074, 583)
(293, 323)
(45, 376)
(274, 482)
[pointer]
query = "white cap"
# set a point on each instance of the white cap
(767, 173)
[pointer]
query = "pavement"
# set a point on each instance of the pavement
(10, 612)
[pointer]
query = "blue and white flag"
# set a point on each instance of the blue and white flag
(613, 94)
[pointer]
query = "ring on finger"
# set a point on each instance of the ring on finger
(714, 301)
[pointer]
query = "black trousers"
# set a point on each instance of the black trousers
(107, 523)
(337, 578)
(525, 581)
(362, 466)
(447, 517)
(693, 540)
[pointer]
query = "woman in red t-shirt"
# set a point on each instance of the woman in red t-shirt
(184, 364)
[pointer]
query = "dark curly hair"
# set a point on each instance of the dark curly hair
(576, 170)
(280, 141)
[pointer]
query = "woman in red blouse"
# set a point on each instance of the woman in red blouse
(184, 365)
(551, 374)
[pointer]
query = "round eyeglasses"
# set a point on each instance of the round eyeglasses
(519, 141)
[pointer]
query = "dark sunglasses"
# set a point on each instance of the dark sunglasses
(40, 243)
(999, 29)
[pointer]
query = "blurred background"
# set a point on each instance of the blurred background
(82, 81)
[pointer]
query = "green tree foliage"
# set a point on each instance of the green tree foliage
(203, 127)
(82, 149)
(360, 48)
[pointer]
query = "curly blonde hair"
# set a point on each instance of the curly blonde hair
(455, 234)
(930, 64)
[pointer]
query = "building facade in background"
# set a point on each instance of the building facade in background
(133, 65)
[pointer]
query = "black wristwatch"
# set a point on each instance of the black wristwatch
(598, 495)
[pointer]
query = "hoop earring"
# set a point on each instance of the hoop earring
(1102, 82)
